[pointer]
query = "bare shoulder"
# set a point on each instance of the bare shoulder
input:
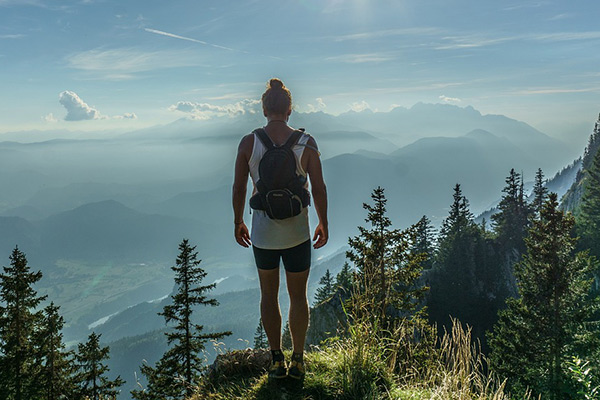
(311, 141)
(246, 144)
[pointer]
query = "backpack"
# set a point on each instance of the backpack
(281, 193)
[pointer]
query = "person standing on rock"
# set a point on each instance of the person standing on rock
(279, 159)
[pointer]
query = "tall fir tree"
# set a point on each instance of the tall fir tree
(19, 319)
(344, 280)
(327, 288)
(588, 218)
(424, 242)
(386, 286)
(512, 222)
(92, 380)
(549, 322)
(180, 367)
(260, 337)
(56, 376)
(540, 193)
(286, 337)
(466, 280)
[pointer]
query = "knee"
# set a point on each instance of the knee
(269, 298)
(298, 299)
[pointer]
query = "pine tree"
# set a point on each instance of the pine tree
(460, 217)
(327, 288)
(588, 218)
(424, 242)
(18, 321)
(466, 281)
(260, 337)
(387, 272)
(286, 337)
(511, 223)
(540, 193)
(548, 322)
(55, 379)
(345, 278)
(92, 380)
(180, 367)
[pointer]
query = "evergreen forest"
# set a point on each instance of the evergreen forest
(505, 308)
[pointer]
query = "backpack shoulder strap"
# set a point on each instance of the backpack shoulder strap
(293, 139)
(264, 138)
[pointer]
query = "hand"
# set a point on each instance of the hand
(242, 236)
(321, 236)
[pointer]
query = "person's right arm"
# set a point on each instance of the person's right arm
(319, 194)
(240, 182)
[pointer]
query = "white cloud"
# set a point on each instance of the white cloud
(362, 58)
(49, 118)
(359, 106)
(77, 109)
(123, 63)
(174, 36)
(388, 32)
(12, 36)
(450, 99)
(320, 106)
(207, 110)
(126, 116)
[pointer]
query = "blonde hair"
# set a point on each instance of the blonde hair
(277, 99)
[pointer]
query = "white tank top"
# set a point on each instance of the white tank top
(277, 234)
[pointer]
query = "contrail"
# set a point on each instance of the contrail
(191, 40)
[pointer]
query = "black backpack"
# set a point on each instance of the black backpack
(281, 191)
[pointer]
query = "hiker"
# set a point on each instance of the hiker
(280, 228)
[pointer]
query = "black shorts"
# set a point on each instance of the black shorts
(295, 259)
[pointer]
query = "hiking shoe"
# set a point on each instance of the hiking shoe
(296, 370)
(277, 370)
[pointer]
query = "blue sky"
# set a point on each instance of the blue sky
(104, 64)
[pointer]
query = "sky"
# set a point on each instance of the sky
(128, 64)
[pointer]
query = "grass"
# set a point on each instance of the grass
(359, 367)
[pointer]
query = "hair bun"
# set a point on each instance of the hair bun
(276, 83)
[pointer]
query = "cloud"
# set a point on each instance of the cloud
(172, 35)
(126, 116)
(49, 118)
(449, 99)
(77, 109)
(362, 58)
(320, 106)
(123, 63)
(387, 33)
(208, 111)
(359, 106)
(527, 92)
(12, 36)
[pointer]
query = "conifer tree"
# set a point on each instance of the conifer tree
(511, 223)
(92, 381)
(588, 218)
(179, 368)
(260, 337)
(18, 321)
(387, 272)
(547, 324)
(424, 242)
(327, 288)
(466, 281)
(55, 378)
(345, 278)
(540, 193)
(286, 337)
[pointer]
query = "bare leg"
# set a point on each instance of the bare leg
(269, 306)
(298, 318)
